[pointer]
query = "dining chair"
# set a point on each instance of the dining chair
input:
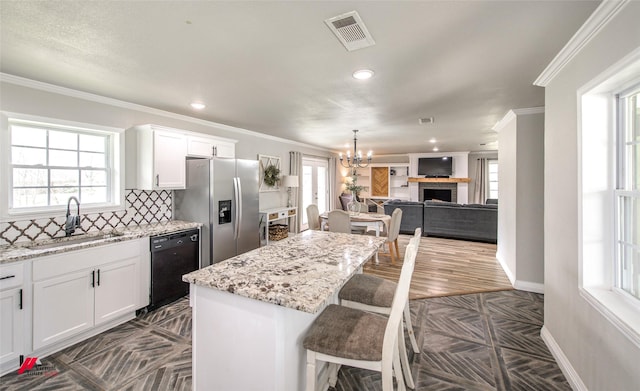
(313, 217)
(392, 232)
(347, 336)
(339, 221)
(376, 294)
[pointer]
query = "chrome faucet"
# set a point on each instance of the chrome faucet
(73, 222)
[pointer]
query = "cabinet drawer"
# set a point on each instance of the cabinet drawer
(292, 212)
(11, 275)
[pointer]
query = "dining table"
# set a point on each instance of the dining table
(250, 312)
(377, 221)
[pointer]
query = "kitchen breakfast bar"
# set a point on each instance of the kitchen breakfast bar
(251, 312)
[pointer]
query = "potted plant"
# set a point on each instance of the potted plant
(354, 188)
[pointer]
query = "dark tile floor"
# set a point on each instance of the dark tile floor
(485, 341)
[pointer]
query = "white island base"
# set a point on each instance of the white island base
(242, 344)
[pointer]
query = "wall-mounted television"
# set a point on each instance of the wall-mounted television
(435, 167)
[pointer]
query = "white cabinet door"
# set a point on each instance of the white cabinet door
(116, 290)
(11, 325)
(223, 149)
(169, 152)
(62, 307)
(198, 146)
(210, 147)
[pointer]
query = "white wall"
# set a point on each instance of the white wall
(593, 350)
(521, 205)
(507, 204)
(55, 103)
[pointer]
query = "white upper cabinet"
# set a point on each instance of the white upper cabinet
(155, 155)
(203, 146)
(155, 158)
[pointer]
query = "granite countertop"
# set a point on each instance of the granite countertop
(302, 272)
(27, 250)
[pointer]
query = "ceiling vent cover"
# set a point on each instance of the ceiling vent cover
(351, 31)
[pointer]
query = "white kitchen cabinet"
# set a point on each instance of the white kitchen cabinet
(12, 316)
(201, 146)
(155, 158)
(76, 291)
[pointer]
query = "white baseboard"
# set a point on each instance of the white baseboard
(563, 362)
(528, 286)
(506, 270)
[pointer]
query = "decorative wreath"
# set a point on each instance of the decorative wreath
(271, 175)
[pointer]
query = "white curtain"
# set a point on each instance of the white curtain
(333, 194)
(295, 168)
(479, 191)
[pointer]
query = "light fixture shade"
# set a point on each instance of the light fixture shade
(290, 181)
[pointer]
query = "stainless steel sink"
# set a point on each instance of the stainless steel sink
(74, 240)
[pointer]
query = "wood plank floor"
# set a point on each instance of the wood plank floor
(446, 267)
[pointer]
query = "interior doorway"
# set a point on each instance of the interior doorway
(315, 186)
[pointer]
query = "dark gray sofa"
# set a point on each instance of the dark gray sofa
(449, 220)
(412, 214)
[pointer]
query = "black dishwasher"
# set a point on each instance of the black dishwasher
(172, 255)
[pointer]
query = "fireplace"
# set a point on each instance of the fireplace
(437, 194)
(440, 191)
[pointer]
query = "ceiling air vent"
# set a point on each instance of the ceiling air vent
(351, 31)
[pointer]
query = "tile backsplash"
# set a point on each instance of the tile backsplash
(142, 207)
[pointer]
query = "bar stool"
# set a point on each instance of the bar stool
(347, 336)
(375, 294)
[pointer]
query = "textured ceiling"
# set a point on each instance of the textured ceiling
(276, 68)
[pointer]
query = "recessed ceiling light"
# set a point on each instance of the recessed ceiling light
(198, 105)
(432, 141)
(435, 149)
(363, 74)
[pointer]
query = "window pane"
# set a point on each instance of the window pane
(63, 140)
(634, 126)
(88, 159)
(60, 195)
(630, 278)
(93, 194)
(29, 177)
(633, 167)
(33, 137)
(64, 178)
(92, 143)
(28, 156)
(94, 178)
(63, 158)
(23, 198)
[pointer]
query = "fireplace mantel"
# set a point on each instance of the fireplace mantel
(441, 180)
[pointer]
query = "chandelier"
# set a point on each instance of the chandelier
(355, 161)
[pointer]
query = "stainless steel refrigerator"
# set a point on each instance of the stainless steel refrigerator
(222, 194)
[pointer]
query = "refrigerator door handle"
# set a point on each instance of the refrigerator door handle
(239, 206)
(236, 209)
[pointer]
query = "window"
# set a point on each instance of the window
(628, 194)
(492, 179)
(609, 244)
(48, 163)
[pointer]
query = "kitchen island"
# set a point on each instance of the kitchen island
(250, 312)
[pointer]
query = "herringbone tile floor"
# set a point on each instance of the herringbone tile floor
(484, 341)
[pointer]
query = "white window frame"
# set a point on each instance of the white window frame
(488, 184)
(115, 167)
(597, 201)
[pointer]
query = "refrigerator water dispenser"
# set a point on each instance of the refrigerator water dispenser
(224, 212)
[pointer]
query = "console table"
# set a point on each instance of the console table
(268, 216)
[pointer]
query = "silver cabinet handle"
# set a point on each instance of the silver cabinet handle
(157, 179)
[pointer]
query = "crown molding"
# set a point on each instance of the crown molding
(596, 22)
(38, 85)
(512, 114)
